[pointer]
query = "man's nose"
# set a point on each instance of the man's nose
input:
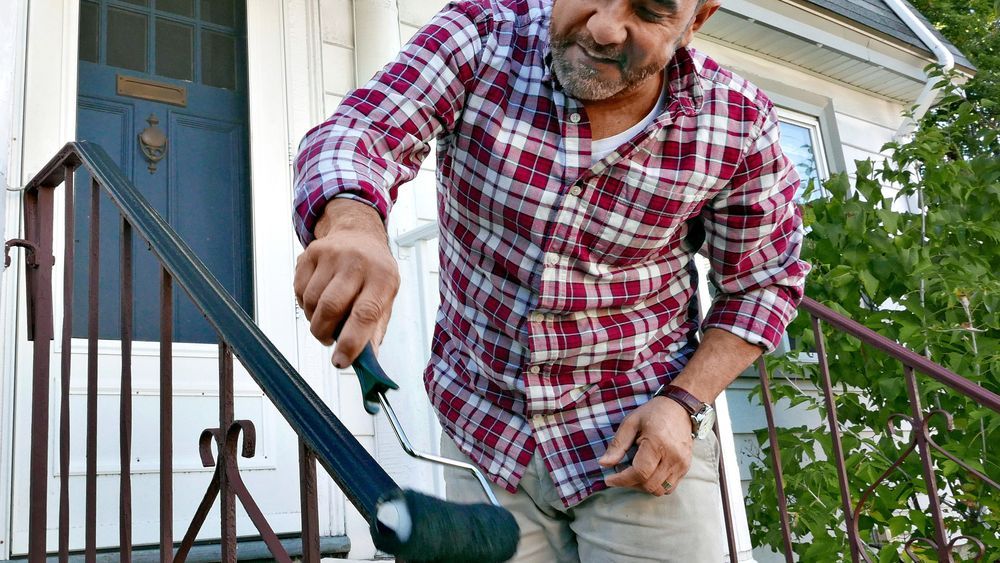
(607, 24)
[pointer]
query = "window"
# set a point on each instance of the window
(802, 144)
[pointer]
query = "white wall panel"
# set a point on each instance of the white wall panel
(336, 22)
(338, 69)
(862, 134)
(418, 12)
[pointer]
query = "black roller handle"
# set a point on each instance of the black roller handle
(373, 379)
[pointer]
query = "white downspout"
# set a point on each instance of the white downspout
(944, 58)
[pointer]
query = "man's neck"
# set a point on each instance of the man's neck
(623, 110)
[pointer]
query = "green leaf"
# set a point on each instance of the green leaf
(869, 282)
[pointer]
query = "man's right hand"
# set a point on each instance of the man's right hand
(347, 278)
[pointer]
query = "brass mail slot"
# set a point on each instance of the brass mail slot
(151, 90)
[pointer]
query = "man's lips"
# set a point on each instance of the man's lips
(598, 57)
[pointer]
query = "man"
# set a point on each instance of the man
(585, 153)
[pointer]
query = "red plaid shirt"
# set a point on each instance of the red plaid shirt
(566, 284)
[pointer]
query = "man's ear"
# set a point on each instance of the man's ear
(703, 13)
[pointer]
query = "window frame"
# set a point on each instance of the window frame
(813, 125)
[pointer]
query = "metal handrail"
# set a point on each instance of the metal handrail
(907, 357)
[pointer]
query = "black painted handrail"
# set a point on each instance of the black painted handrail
(354, 470)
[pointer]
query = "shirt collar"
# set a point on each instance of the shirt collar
(684, 85)
(685, 90)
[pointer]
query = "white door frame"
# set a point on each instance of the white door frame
(9, 204)
(49, 121)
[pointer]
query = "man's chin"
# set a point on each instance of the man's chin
(591, 92)
(587, 88)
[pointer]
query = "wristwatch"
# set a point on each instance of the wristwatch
(702, 414)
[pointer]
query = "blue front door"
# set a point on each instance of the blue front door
(162, 87)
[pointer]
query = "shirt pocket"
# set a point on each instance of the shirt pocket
(644, 210)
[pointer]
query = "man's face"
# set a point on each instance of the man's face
(601, 48)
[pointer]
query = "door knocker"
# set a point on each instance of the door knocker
(153, 142)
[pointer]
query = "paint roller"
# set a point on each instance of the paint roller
(417, 527)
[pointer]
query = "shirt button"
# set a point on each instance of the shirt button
(551, 258)
(575, 191)
(535, 370)
(574, 117)
(537, 317)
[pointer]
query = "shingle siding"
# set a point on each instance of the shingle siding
(877, 15)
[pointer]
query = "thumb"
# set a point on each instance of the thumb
(620, 443)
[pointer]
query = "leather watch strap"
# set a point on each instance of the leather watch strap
(690, 403)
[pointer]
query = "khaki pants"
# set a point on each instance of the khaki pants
(612, 525)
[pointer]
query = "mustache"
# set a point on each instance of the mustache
(616, 54)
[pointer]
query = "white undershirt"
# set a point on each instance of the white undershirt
(600, 148)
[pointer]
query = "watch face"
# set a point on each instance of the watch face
(706, 421)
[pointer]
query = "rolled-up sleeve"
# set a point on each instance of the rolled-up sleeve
(381, 132)
(754, 234)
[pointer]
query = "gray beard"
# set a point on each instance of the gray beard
(585, 83)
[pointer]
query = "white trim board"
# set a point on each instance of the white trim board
(10, 206)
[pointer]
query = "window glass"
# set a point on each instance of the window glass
(222, 12)
(218, 60)
(127, 32)
(90, 26)
(138, 2)
(800, 141)
(174, 50)
(179, 7)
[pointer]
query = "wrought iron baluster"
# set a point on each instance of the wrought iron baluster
(66, 364)
(727, 509)
(94, 312)
(125, 413)
(310, 510)
(838, 446)
(779, 475)
(227, 499)
(921, 430)
(40, 201)
(166, 418)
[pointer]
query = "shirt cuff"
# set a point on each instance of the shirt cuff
(309, 210)
(759, 316)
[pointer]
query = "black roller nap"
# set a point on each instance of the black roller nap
(446, 532)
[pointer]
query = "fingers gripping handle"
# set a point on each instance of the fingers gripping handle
(373, 379)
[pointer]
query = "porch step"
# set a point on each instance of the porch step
(247, 549)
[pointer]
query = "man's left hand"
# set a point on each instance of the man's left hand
(661, 429)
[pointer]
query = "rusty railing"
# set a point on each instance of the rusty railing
(322, 436)
(921, 440)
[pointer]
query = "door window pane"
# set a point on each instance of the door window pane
(90, 28)
(127, 39)
(174, 50)
(218, 60)
(222, 12)
(179, 7)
